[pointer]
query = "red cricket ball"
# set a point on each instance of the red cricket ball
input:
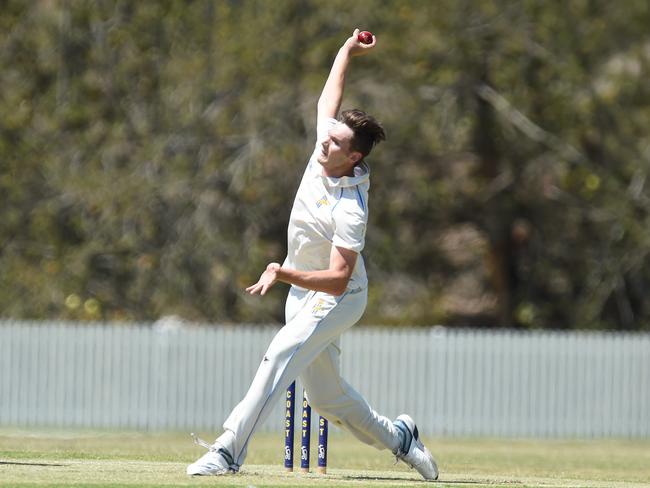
(365, 37)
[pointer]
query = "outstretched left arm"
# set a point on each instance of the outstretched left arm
(333, 280)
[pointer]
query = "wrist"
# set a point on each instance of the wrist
(345, 51)
(280, 273)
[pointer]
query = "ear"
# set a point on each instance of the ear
(356, 156)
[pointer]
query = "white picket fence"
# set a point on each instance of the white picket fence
(454, 382)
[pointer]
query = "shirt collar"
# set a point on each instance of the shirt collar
(361, 175)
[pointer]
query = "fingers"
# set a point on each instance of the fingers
(260, 287)
(371, 45)
(266, 281)
(253, 289)
(359, 47)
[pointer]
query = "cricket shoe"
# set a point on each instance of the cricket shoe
(215, 462)
(412, 451)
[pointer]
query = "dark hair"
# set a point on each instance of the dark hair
(367, 131)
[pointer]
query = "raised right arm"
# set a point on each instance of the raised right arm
(330, 99)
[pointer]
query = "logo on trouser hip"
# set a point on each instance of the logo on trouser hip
(319, 306)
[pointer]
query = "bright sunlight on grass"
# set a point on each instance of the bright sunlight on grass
(101, 458)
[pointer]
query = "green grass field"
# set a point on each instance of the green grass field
(120, 459)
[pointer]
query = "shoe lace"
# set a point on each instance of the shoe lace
(202, 443)
(399, 456)
(215, 448)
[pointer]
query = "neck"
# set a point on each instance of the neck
(339, 172)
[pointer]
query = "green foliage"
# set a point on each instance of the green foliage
(150, 151)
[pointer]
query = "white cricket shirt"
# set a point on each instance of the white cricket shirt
(328, 212)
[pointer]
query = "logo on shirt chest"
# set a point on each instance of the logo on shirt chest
(322, 201)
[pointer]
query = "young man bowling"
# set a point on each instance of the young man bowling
(328, 292)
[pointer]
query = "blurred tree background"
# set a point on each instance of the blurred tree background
(150, 152)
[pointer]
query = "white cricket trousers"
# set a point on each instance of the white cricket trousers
(308, 346)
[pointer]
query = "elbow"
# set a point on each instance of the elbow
(339, 288)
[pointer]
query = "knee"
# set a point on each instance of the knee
(331, 414)
(339, 405)
(318, 401)
(328, 406)
(282, 346)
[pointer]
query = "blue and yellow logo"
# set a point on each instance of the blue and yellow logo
(322, 201)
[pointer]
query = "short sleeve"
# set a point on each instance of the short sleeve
(350, 231)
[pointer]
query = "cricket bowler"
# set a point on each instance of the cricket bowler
(328, 293)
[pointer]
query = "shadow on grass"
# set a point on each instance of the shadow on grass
(448, 482)
(14, 463)
(396, 478)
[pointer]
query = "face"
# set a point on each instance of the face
(336, 157)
